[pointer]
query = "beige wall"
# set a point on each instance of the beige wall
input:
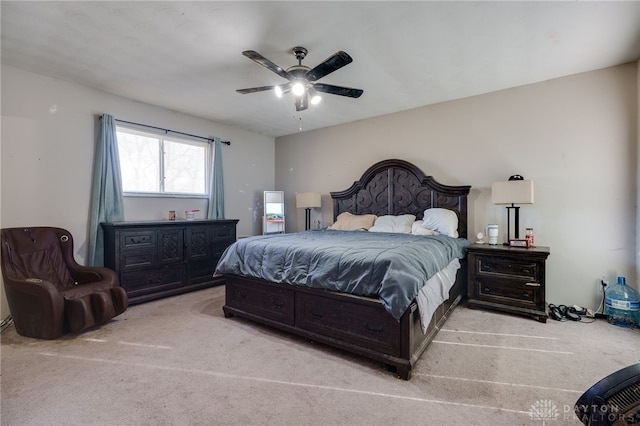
(638, 175)
(575, 137)
(47, 158)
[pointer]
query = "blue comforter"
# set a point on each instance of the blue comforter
(393, 267)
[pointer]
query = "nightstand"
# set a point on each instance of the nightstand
(508, 279)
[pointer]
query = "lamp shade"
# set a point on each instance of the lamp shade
(512, 192)
(308, 200)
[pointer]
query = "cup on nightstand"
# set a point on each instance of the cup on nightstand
(492, 233)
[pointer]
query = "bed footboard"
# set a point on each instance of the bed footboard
(356, 324)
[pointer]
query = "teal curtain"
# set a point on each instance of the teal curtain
(216, 185)
(107, 204)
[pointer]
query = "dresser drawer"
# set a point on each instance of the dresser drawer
(201, 272)
(351, 322)
(138, 240)
(220, 245)
(509, 266)
(136, 259)
(154, 280)
(508, 291)
(268, 301)
(224, 232)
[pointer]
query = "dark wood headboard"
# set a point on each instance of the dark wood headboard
(394, 187)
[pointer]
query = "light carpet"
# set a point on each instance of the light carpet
(178, 361)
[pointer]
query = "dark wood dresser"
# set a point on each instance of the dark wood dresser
(156, 259)
(508, 279)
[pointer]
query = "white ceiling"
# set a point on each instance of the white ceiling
(186, 56)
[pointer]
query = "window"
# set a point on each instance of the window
(161, 164)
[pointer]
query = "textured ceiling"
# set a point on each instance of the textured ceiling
(186, 56)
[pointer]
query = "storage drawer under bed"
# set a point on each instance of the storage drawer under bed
(365, 325)
(272, 302)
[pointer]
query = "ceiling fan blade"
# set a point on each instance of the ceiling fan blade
(255, 89)
(338, 90)
(258, 58)
(332, 63)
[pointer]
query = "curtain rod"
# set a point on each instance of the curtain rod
(172, 131)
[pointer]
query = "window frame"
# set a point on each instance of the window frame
(162, 136)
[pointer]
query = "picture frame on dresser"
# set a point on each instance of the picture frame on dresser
(155, 259)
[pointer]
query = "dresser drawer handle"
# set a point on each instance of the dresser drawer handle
(525, 295)
(371, 329)
(316, 315)
(277, 305)
(486, 290)
(138, 240)
(533, 284)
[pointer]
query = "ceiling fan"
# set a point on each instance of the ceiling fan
(302, 79)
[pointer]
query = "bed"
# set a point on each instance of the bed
(358, 322)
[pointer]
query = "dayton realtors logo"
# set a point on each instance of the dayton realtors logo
(544, 410)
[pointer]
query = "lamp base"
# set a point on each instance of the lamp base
(307, 218)
(516, 224)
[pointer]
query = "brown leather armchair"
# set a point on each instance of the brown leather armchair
(50, 294)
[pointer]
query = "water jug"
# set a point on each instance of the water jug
(622, 304)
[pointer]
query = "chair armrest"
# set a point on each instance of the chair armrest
(36, 306)
(89, 274)
(33, 287)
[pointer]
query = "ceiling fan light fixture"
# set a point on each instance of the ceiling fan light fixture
(315, 97)
(302, 80)
(298, 88)
(302, 102)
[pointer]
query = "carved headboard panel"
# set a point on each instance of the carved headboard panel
(394, 187)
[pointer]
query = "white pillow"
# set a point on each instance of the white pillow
(417, 229)
(441, 220)
(400, 224)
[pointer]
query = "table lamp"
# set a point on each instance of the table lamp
(308, 201)
(516, 190)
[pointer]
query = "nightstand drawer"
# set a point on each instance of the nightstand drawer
(509, 266)
(498, 290)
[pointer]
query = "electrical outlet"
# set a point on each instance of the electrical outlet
(603, 283)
